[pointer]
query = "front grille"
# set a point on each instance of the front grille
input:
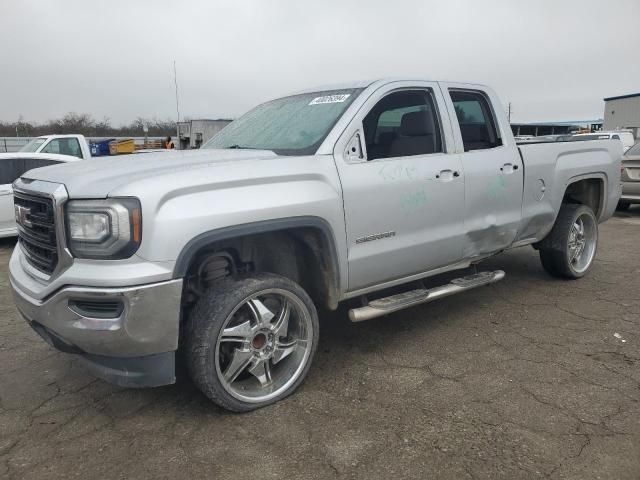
(37, 231)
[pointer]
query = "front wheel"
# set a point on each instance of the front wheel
(569, 249)
(250, 341)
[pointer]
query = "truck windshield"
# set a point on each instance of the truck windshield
(294, 125)
(33, 145)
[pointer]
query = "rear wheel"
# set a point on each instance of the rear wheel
(250, 341)
(569, 249)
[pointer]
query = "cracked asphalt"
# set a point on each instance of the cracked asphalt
(531, 377)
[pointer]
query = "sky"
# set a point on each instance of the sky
(553, 60)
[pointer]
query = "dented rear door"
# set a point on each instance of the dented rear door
(492, 167)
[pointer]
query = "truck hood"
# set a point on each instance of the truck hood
(98, 177)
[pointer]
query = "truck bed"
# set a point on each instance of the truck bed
(551, 166)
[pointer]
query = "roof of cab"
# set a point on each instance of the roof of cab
(61, 135)
(374, 82)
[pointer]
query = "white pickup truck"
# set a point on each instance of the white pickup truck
(312, 199)
(39, 152)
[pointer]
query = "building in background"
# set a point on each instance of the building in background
(555, 128)
(193, 133)
(623, 112)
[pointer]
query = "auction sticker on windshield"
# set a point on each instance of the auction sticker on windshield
(330, 99)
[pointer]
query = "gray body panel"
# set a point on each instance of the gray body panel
(631, 178)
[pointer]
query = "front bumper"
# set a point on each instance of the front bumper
(131, 345)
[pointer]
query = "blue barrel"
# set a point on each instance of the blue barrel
(100, 147)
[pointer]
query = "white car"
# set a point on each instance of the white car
(39, 152)
(625, 136)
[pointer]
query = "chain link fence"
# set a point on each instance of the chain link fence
(13, 144)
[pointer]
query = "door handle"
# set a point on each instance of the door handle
(447, 175)
(508, 168)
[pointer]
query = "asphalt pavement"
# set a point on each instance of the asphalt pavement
(532, 377)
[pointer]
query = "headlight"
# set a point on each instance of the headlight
(104, 229)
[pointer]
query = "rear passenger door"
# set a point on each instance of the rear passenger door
(493, 170)
(403, 188)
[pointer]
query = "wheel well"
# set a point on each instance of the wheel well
(588, 192)
(304, 255)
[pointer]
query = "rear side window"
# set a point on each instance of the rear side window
(402, 124)
(63, 146)
(476, 120)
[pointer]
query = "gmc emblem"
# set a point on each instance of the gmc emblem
(21, 216)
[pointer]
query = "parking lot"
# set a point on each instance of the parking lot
(531, 377)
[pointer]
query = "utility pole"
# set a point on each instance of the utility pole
(175, 81)
(509, 112)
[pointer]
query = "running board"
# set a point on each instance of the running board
(400, 301)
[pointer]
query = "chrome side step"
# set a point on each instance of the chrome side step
(400, 301)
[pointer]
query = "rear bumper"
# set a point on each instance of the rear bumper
(630, 192)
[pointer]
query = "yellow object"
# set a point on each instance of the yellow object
(118, 147)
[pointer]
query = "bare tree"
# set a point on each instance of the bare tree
(85, 124)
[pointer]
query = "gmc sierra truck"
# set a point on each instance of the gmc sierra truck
(223, 254)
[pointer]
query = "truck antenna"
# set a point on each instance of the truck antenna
(175, 81)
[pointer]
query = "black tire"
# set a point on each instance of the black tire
(623, 206)
(208, 318)
(554, 249)
(548, 264)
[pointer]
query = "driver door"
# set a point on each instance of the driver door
(403, 186)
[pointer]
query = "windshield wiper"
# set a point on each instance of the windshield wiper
(241, 147)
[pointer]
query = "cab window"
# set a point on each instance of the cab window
(403, 124)
(477, 123)
(63, 146)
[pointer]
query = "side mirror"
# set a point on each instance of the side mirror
(354, 151)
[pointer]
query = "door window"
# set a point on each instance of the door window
(63, 146)
(402, 124)
(12, 168)
(477, 124)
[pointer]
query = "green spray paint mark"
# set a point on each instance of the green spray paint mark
(398, 172)
(496, 188)
(413, 200)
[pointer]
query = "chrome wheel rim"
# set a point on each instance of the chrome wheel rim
(583, 238)
(264, 345)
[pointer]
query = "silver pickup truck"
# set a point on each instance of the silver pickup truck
(223, 254)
